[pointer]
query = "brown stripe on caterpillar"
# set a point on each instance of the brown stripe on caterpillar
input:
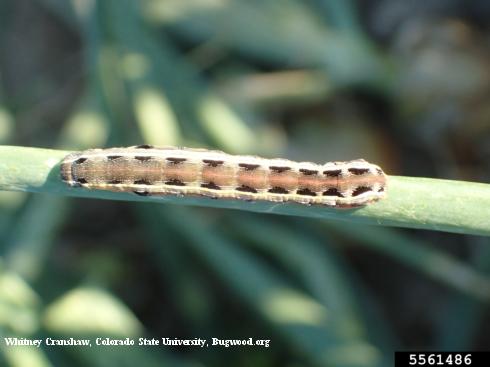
(146, 170)
(333, 173)
(248, 166)
(332, 191)
(278, 190)
(358, 171)
(306, 192)
(279, 169)
(175, 160)
(308, 172)
(213, 163)
(143, 158)
(113, 157)
(211, 186)
(143, 146)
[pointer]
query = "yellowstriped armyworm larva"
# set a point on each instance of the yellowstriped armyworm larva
(148, 171)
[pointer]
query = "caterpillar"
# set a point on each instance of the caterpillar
(149, 171)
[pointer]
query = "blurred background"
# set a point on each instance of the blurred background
(402, 84)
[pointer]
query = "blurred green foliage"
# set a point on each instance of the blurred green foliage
(402, 85)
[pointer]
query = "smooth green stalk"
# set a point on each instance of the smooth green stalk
(443, 205)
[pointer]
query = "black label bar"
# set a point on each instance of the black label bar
(442, 359)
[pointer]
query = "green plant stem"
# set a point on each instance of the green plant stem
(443, 205)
